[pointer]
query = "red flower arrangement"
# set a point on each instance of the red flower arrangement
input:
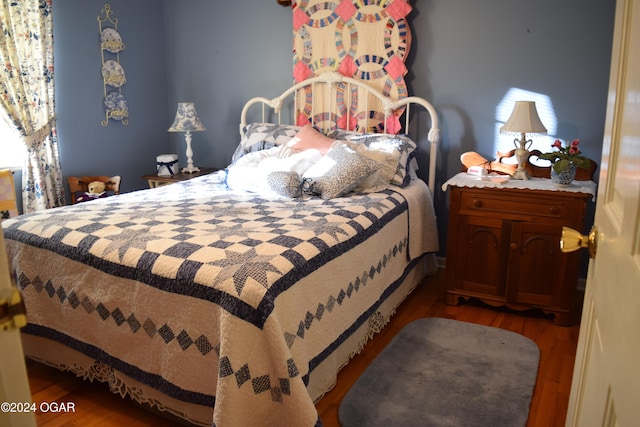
(566, 155)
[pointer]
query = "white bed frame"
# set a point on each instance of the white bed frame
(328, 84)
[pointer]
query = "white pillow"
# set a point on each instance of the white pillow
(252, 171)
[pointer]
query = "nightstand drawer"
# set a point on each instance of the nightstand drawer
(503, 204)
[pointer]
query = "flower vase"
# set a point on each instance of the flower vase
(565, 177)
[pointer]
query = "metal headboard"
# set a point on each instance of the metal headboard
(327, 84)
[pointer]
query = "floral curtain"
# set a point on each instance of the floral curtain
(27, 97)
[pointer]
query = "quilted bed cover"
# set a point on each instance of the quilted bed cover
(214, 298)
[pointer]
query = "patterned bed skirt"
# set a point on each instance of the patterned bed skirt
(322, 379)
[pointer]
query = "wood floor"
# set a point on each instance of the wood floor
(96, 406)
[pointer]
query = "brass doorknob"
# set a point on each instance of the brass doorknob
(572, 240)
(13, 314)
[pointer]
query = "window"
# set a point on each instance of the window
(12, 153)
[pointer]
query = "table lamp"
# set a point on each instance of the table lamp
(524, 119)
(187, 121)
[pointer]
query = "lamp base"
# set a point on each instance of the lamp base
(520, 174)
(190, 169)
(522, 155)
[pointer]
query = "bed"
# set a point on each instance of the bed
(206, 298)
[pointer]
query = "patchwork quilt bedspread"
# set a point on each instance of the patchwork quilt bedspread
(223, 299)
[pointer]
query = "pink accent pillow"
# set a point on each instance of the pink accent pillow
(308, 137)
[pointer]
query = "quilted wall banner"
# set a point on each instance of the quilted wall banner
(363, 39)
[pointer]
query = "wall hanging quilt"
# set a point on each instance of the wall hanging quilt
(364, 39)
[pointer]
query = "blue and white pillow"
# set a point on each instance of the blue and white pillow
(260, 136)
(285, 183)
(338, 172)
(402, 144)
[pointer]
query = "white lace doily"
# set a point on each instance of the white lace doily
(463, 179)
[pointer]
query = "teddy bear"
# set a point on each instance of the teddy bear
(96, 191)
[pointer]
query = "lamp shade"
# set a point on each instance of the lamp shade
(186, 119)
(524, 119)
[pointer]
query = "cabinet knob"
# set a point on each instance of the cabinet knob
(477, 203)
(513, 246)
(554, 210)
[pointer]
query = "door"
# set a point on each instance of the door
(606, 380)
(14, 386)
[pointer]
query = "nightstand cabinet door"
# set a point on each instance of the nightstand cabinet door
(541, 274)
(482, 255)
(503, 248)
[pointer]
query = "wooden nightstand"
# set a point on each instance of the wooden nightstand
(157, 181)
(503, 243)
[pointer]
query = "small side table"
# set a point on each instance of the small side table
(157, 181)
(503, 243)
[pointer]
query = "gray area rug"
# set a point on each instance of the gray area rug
(443, 372)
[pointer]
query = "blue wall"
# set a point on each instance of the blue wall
(221, 54)
(466, 55)
(86, 147)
